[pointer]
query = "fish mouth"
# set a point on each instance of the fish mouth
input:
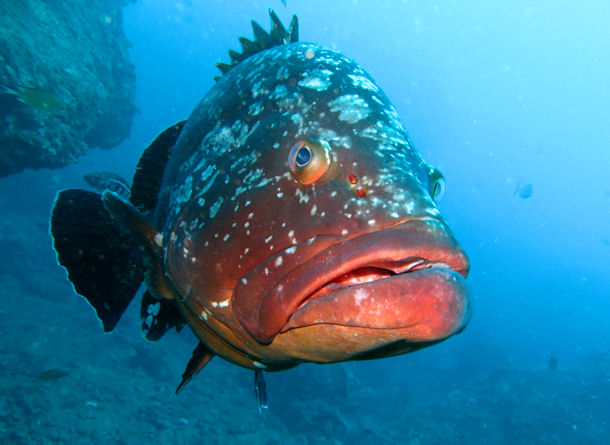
(410, 276)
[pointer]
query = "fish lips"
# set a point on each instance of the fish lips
(428, 305)
(409, 276)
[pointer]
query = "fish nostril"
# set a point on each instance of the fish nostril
(355, 185)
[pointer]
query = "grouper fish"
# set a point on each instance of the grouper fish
(288, 220)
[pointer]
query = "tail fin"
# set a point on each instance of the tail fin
(104, 265)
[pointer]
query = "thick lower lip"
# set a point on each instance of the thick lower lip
(419, 265)
(428, 304)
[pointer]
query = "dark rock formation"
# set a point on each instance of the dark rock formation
(75, 53)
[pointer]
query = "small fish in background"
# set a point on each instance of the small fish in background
(101, 181)
(552, 361)
(50, 375)
(524, 191)
(41, 100)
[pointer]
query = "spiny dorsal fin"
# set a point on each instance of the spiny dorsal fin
(277, 35)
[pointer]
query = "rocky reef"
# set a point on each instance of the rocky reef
(67, 81)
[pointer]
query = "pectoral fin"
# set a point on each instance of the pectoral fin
(103, 262)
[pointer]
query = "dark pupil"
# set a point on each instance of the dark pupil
(303, 156)
(435, 189)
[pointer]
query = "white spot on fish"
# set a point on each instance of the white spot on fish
(215, 207)
(303, 198)
(297, 118)
(359, 296)
(351, 107)
(159, 239)
(255, 109)
(278, 261)
(363, 82)
(313, 82)
(244, 280)
(153, 309)
(268, 239)
(314, 209)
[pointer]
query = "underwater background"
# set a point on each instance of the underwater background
(509, 99)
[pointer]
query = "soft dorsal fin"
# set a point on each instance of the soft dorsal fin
(277, 35)
(149, 171)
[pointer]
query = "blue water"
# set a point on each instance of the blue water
(494, 94)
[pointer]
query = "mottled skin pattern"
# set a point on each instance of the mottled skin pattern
(235, 221)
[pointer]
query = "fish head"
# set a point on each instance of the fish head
(303, 224)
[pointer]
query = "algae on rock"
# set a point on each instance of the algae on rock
(76, 52)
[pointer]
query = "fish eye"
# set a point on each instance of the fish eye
(309, 160)
(437, 184)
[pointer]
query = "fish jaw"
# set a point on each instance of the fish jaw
(408, 277)
(430, 304)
